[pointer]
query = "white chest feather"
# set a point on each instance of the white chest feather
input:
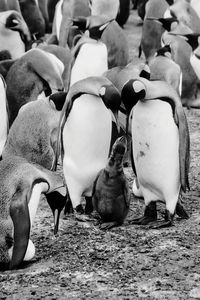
(58, 14)
(86, 139)
(10, 40)
(92, 60)
(3, 116)
(156, 149)
(195, 62)
(196, 6)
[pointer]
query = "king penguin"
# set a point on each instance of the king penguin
(160, 147)
(21, 186)
(85, 130)
(14, 33)
(34, 73)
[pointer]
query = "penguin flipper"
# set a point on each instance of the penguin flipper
(184, 146)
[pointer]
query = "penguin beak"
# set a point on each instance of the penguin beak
(115, 118)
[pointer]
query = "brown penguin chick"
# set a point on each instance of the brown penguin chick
(111, 194)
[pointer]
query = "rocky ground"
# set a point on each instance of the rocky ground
(128, 262)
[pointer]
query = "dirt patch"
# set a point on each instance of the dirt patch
(129, 262)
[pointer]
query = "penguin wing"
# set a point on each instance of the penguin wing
(184, 146)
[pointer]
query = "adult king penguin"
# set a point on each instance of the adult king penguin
(21, 186)
(90, 54)
(85, 129)
(14, 33)
(160, 145)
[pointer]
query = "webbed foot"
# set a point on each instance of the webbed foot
(108, 225)
(181, 212)
(164, 223)
(150, 215)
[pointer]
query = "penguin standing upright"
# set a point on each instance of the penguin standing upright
(85, 129)
(91, 55)
(14, 33)
(160, 146)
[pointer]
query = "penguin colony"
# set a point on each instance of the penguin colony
(70, 92)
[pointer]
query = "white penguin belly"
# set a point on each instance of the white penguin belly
(10, 40)
(92, 60)
(195, 63)
(86, 142)
(59, 16)
(3, 116)
(156, 151)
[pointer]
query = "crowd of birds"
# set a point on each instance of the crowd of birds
(71, 96)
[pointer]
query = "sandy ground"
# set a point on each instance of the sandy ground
(128, 262)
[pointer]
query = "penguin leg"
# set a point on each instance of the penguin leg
(88, 206)
(68, 207)
(150, 215)
(181, 212)
(165, 223)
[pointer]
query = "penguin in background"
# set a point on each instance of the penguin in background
(90, 54)
(160, 147)
(65, 11)
(33, 136)
(14, 33)
(22, 184)
(34, 73)
(162, 67)
(3, 115)
(33, 17)
(86, 114)
(152, 31)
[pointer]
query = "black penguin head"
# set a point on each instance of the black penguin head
(94, 24)
(162, 51)
(165, 22)
(56, 202)
(192, 40)
(16, 23)
(145, 72)
(132, 92)
(119, 149)
(58, 100)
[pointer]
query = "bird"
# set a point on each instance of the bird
(160, 148)
(85, 131)
(111, 194)
(14, 33)
(34, 73)
(22, 184)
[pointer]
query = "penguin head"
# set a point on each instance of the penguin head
(112, 99)
(164, 51)
(118, 151)
(165, 22)
(192, 39)
(132, 91)
(94, 24)
(15, 22)
(57, 100)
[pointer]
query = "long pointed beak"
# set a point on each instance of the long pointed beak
(115, 117)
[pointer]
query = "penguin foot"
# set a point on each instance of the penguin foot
(88, 206)
(142, 220)
(181, 212)
(108, 225)
(150, 215)
(162, 224)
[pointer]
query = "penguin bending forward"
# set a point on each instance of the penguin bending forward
(160, 147)
(85, 130)
(111, 194)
